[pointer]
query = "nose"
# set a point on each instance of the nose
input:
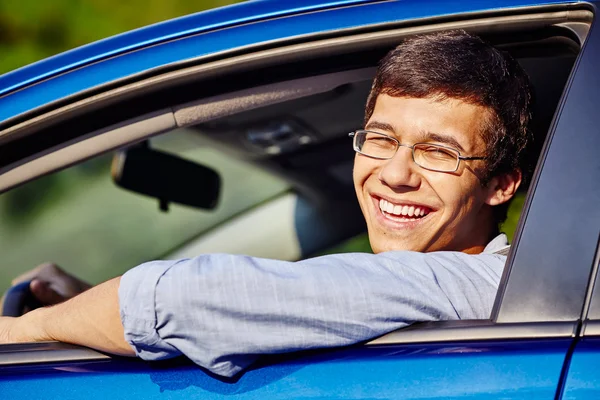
(400, 170)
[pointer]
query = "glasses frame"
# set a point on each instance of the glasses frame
(459, 157)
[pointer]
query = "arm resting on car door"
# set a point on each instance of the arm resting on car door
(224, 311)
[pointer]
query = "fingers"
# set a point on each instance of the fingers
(44, 293)
(45, 271)
(57, 280)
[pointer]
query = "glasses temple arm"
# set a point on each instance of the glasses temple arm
(472, 158)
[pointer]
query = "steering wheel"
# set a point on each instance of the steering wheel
(18, 300)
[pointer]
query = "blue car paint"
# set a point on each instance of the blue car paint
(169, 30)
(476, 371)
(89, 75)
(583, 378)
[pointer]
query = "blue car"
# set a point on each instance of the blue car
(226, 131)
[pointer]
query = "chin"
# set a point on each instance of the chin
(383, 245)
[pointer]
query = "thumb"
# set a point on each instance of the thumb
(44, 293)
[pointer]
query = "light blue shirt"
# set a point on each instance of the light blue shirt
(222, 311)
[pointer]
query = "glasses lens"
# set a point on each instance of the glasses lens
(436, 158)
(375, 144)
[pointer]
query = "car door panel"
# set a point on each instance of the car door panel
(496, 369)
(583, 377)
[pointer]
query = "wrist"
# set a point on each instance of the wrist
(31, 327)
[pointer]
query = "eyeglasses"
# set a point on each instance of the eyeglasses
(433, 157)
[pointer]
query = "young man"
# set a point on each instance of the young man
(437, 163)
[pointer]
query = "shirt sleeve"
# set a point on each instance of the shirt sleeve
(223, 311)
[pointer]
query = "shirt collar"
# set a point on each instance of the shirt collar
(498, 243)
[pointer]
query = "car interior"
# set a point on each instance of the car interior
(286, 111)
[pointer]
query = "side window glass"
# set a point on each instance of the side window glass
(79, 219)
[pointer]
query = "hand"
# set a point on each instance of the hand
(51, 285)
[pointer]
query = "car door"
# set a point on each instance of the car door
(522, 351)
(582, 379)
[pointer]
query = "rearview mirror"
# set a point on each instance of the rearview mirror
(166, 177)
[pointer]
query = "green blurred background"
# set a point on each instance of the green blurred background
(31, 30)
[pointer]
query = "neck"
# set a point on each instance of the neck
(477, 248)
(474, 250)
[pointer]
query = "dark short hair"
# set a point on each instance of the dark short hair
(459, 65)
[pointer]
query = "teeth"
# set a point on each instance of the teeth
(389, 208)
(407, 211)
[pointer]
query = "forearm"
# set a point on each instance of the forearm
(91, 319)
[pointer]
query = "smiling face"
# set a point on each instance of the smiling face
(407, 207)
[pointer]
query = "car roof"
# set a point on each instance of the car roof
(205, 33)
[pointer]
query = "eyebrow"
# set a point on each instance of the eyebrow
(424, 136)
(380, 125)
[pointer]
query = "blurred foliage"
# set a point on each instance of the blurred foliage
(512, 218)
(31, 30)
(24, 203)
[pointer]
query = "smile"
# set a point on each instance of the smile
(399, 210)
(400, 216)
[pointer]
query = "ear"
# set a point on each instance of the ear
(503, 187)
